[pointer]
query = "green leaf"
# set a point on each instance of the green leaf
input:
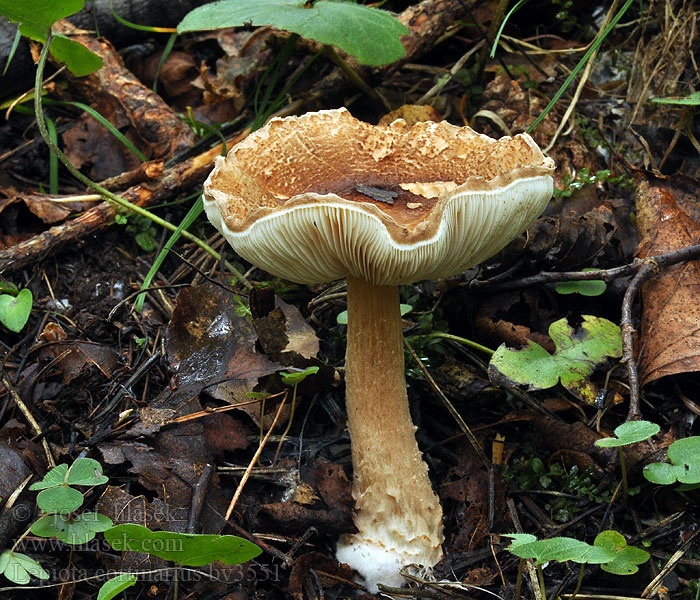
(79, 60)
(61, 499)
(685, 464)
(296, 377)
(19, 568)
(115, 586)
(40, 14)
(630, 433)
(15, 310)
(36, 18)
(145, 240)
(520, 539)
(56, 476)
(626, 557)
(576, 356)
(74, 531)
(194, 550)
(591, 287)
(86, 471)
(369, 34)
(559, 549)
(690, 100)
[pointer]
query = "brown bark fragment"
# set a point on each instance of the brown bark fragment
(121, 96)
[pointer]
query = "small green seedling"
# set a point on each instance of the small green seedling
(684, 467)
(371, 35)
(187, 549)
(141, 228)
(577, 354)
(628, 433)
(609, 550)
(589, 287)
(57, 496)
(585, 177)
(627, 558)
(59, 500)
(293, 379)
(19, 568)
(15, 306)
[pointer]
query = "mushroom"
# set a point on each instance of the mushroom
(325, 196)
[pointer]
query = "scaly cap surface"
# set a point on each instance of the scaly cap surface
(295, 198)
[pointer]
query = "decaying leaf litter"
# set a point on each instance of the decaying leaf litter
(169, 400)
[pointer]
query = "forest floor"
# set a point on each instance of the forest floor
(173, 398)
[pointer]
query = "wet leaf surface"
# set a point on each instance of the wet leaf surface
(669, 219)
(208, 342)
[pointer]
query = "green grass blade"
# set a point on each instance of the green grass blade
(163, 57)
(102, 121)
(189, 218)
(503, 24)
(594, 46)
(136, 25)
(15, 44)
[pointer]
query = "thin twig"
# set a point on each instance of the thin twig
(30, 418)
(253, 460)
(648, 269)
(453, 411)
(655, 583)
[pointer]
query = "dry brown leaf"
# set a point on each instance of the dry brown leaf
(668, 219)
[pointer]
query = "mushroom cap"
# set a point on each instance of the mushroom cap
(323, 196)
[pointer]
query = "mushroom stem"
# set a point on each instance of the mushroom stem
(397, 514)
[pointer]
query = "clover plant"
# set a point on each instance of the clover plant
(59, 499)
(684, 467)
(626, 434)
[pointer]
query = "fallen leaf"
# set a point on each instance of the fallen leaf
(208, 342)
(73, 356)
(578, 353)
(412, 114)
(668, 219)
(225, 433)
(571, 240)
(12, 470)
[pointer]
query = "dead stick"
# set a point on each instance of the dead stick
(648, 269)
(607, 275)
(30, 418)
(198, 494)
(174, 180)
